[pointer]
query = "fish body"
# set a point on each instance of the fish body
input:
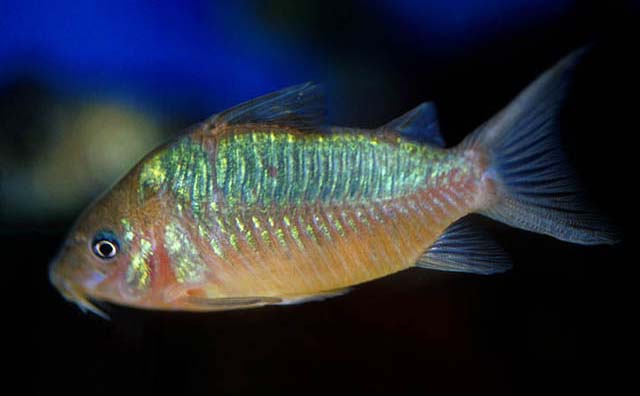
(260, 211)
(262, 205)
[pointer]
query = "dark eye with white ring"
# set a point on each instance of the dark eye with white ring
(105, 245)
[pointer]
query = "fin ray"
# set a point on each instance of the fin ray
(221, 304)
(228, 303)
(420, 124)
(465, 248)
(300, 106)
(314, 297)
(536, 190)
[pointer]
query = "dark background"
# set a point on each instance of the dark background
(87, 87)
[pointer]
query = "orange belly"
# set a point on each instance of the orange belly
(314, 249)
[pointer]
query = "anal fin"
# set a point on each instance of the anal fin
(465, 248)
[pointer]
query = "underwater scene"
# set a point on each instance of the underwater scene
(281, 197)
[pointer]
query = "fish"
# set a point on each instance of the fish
(264, 204)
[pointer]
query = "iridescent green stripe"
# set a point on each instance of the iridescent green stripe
(293, 231)
(138, 274)
(275, 167)
(185, 261)
(183, 168)
(128, 233)
(335, 222)
(266, 167)
(319, 222)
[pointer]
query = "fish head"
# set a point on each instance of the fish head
(92, 262)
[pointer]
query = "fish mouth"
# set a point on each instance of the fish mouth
(73, 294)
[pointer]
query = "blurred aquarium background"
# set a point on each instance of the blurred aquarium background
(88, 87)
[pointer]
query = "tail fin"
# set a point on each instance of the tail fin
(535, 188)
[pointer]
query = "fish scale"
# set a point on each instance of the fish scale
(262, 204)
(244, 167)
(311, 168)
(319, 250)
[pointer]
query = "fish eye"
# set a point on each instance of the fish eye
(105, 245)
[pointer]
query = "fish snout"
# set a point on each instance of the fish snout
(58, 281)
(72, 291)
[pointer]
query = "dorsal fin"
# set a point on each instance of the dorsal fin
(300, 106)
(463, 247)
(419, 124)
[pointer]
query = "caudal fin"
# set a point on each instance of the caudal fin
(535, 188)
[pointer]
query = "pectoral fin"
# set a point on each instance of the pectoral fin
(314, 297)
(228, 303)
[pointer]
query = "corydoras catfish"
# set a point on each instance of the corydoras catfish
(263, 204)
